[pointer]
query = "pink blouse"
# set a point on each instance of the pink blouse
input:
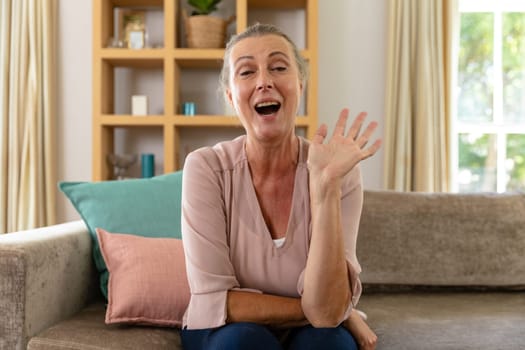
(227, 243)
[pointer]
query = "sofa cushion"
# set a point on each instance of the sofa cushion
(147, 207)
(147, 279)
(419, 321)
(87, 330)
(442, 239)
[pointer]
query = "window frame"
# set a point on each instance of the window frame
(497, 126)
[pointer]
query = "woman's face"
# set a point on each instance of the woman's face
(264, 86)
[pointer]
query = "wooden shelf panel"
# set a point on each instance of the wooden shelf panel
(181, 120)
(306, 54)
(178, 120)
(134, 62)
(131, 120)
(113, 53)
(198, 58)
(277, 4)
(137, 3)
(206, 120)
(303, 121)
(146, 58)
(202, 54)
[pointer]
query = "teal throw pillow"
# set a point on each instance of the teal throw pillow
(149, 207)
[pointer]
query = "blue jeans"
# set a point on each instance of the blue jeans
(251, 336)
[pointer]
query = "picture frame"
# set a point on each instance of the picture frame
(135, 39)
(132, 28)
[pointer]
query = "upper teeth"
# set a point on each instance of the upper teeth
(265, 104)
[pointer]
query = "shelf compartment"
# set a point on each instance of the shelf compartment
(199, 86)
(127, 79)
(139, 140)
(291, 20)
(225, 10)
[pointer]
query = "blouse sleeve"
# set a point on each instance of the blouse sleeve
(209, 269)
(351, 206)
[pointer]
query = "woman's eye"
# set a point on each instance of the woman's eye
(244, 73)
(279, 68)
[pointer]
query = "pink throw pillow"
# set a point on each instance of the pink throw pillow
(147, 279)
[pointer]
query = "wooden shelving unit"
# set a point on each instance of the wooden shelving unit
(171, 59)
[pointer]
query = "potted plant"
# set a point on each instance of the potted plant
(203, 7)
(203, 30)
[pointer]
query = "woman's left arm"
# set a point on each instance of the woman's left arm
(326, 291)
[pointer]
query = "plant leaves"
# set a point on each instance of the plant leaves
(204, 7)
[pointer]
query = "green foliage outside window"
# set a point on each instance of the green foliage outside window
(513, 57)
(477, 158)
(475, 65)
(516, 162)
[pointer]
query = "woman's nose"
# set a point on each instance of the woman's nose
(264, 81)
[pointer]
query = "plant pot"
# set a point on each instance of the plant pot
(203, 31)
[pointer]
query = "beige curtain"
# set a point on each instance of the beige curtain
(418, 110)
(27, 114)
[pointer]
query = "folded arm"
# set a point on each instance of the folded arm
(271, 310)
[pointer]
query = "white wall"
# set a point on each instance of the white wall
(74, 97)
(352, 51)
(352, 60)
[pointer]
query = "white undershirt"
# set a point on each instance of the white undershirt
(279, 242)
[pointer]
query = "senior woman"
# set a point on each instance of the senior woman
(270, 220)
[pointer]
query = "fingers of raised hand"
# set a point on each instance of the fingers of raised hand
(354, 135)
(363, 139)
(355, 128)
(370, 151)
(320, 134)
(340, 126)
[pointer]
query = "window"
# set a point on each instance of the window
(489, 123)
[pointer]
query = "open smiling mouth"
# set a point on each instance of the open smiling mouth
(267, 108)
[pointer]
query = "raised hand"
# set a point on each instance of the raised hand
(334, 159)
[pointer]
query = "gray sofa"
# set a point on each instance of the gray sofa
(440, 271)
(444, 271)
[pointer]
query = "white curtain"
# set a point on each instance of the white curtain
(27, 114)
(418, 110)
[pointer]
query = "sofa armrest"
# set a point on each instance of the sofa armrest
(46, 275)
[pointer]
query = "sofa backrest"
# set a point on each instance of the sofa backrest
(442, 239)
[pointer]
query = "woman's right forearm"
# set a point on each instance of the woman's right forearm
(266, 309)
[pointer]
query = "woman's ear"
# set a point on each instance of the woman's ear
(228, 103)
(229, 97)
